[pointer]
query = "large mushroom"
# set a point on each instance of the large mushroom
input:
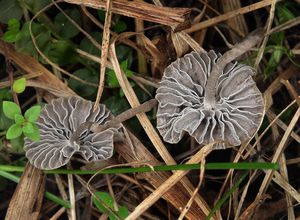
(210, 99)
(58, 123)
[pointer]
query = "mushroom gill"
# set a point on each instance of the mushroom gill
(231, 118)
(57, 123)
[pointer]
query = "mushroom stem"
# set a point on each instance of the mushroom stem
(210, 89)
(94, 127)
(124, 116)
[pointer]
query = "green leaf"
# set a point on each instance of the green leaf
(101, 15)
(28, 128)
(124, 53)
(283, 13)
(5, 122)
(112, 79)
(9, 9)
(18, 144)
(10, 109)
(33, 113)
(35, 135)
(34, 5)
(122, 213)
(24, 42)
(105, 198)
(124, 65)
(120, 26)
(5, 94)
(19, 119)
(88, 75)
(13, 29)
(66, 29)
(61, 52)
(276, 39)
(19, 85)
(90, 48)
(14, 131)
(116, 105)
(128, 73)
(274, 60)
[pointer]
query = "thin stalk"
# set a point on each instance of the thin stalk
(210, 89)
(124, 116)
(208, 166)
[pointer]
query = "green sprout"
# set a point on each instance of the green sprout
(23, 124)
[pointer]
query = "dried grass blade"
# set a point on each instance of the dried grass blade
(288, 196)
(177, 17)
(134, 102)
(239, 21)
(278, 152)
(155, 195)
(228, 15)
(177, 195)
(152, 134)
(277, 178)
(271, 115)
(104, 52)
(240, 153)
(264, 43)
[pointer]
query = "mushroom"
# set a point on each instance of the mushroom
(209, 98)
(58, 122)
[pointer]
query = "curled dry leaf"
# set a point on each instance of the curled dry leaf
(58, 121)
(233, 119)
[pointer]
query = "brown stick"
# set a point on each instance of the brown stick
(156, 179)
(176, 17)
(26, 202)
(104, 52)
(226, 16)
(171, 181)
(148, 127)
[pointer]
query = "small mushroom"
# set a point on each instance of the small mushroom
(58, 123)
(227, 110)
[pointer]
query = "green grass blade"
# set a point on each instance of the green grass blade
(208, 166)
(226, 196)
(9, 176)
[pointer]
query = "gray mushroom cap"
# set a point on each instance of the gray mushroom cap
(57, 122)
(239, 104)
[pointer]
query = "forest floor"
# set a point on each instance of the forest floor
(116, 52)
